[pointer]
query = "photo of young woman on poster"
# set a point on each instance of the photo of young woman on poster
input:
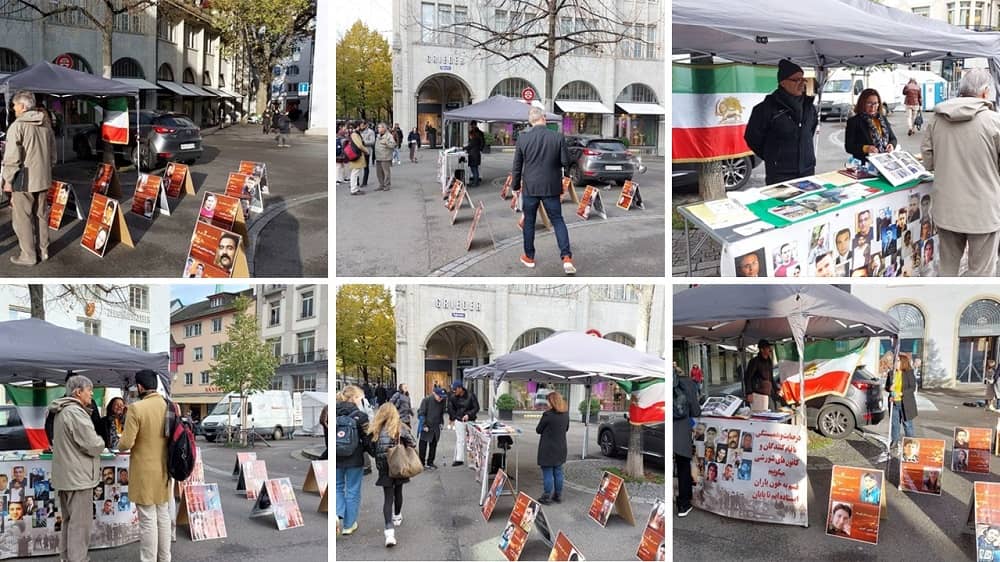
(839, 522)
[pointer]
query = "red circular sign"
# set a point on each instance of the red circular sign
(64, 61)
(528, 94)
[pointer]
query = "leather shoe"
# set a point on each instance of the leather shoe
(19, 260)
(457, 463)
(44, 255)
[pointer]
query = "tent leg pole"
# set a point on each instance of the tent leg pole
(586, 424)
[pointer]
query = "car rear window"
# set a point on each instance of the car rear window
(607, 145)
(175, 121)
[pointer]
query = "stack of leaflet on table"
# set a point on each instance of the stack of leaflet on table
(721, 213)
(805, 204)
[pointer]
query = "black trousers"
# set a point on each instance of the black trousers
(368, 164)
(684, 482)
(422, 448)
(392, 498)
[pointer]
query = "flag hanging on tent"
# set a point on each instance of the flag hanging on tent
(711, 105)
(648, 401)
(828, 367)
(115, 126)
(32, 407)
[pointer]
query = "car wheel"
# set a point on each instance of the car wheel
(149, 161)
(277, 434)
(736, 172)
(835, 421)
(576, 175)
(607, 442)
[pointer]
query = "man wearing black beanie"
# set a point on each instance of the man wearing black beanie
(782, 127)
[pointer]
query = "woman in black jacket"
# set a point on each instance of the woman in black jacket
(552, 447)
(475, 151)
(413, 139)
(114, 422)
(350, 467)
(869, 131)
(385, 432)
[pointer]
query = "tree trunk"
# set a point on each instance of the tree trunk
(550, 69)
(633, 463)
(711, 185)
(108, 155)
(37, 295)
(263, 89)
(243, 418)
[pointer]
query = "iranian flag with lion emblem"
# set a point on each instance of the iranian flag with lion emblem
(711, 107)
(828, 367)
(648, 400)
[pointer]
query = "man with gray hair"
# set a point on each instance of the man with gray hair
(76, 469)
(962, 148)
(27, 175)
(384, 145)
(541, 159)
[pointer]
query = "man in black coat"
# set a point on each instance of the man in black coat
(541, 159)
(462, 408)
(760, 373)
(475, 151)
(431, 412)
(782, 127)
(684, 444)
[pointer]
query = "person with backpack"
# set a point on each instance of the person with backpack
(145, 436)
(343, 172)
(385, 432)
(352, 428)
(401, 400)
(76, 465)
(357, 155)
(685, 406)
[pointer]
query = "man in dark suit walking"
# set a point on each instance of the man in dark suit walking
(540, 159)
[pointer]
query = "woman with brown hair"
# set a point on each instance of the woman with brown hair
(869, 131)
(351, 420)
(901, 384)
(385, 432)
(552, 447)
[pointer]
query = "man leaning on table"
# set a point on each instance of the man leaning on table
(781, 128)
(76, 465)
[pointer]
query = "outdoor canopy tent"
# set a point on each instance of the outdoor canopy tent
(496, 108)
(32, 349)
(312, 406)
(739, 314)
(573, 358)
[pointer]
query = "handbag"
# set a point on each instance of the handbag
(919, 120)
(404, 462)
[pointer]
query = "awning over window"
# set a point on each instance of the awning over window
(642, 108)
(138, 83)
(199, 91)
(177, 88)
(219, 92)
(582, 107)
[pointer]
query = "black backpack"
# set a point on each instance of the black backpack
(347, 436)
(682, 407)
(181, 450)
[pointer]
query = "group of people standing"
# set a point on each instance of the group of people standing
(390, 427)
(380, 146)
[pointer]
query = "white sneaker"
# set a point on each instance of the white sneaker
(390, 537)
(397, 520)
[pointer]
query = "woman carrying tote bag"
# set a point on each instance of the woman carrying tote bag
(388, 434)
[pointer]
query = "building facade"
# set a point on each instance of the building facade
(293, 322)
(609, 90)
(198, 331)
(441, 330)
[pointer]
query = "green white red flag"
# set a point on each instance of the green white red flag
(828, 367)
(115, 127)
(711, 107)
(648, 401)
(33, 405)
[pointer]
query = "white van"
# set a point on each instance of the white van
(843, 85)
(269, 412)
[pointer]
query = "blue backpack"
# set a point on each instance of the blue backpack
(347, 436)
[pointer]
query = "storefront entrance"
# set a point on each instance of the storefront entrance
(437, 94)
(450, 350)
(978, 333)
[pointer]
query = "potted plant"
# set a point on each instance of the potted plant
(595, 408)
(505, 405)
(488, 140)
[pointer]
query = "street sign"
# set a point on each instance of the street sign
(527, 94)
(64, 60)
(303, 89)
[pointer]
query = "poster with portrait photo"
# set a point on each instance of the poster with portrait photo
(921, 464)
(177, 178)
(820, 241)
(213, 252)
(104, 180)
(929, 259)
(652, 545)
(258, 170)
(201, 503)
(971, 451)
(148, 192)
(61, 198)
(519, 524)
(864, 224)
(97, 231)
(564, 549)
(247, 189)
(604, 499)
(785, 260)
(986, 508)
(500, 482)
(752, 264)
(855, 503)
(222, 211)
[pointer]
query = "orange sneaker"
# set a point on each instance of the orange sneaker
(568, 266)
(528, 262)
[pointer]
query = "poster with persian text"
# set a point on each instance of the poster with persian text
(749, 469)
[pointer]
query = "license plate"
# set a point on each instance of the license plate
(190, 146)
(612, 167)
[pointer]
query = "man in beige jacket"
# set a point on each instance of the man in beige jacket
(31, 147)
(76, 465)
(962, 148)
(149, 484)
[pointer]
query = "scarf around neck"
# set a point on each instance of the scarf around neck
(880, 140)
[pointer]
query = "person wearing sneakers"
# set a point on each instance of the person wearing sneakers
(552, 448)
(385, 432)
(462, 408)
(541, 158)
(350, 460)
(686, 406)
(431, 416)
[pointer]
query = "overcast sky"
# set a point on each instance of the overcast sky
(376, 14)
(190, 294)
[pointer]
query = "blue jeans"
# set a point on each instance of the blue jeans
(553, 207)
(550, 474)
(349, 494)
(897, 420)
(475, 173)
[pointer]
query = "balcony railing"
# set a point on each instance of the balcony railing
(304, 357)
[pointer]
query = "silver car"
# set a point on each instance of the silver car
(162, 137)
(596, 159)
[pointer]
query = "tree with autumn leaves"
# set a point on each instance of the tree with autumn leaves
(364, 75)
(366, 330)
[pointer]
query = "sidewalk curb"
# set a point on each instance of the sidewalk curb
(267, 216)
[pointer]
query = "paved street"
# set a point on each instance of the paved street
(442, 518)
(255, 539)
(407, 231)
(289, 239)
(830, 156)
(917, 526)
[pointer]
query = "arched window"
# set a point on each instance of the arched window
(127, 68)
(637, 93)
(10, 61)
(222, 80)
(531, 337)
(165, 73)
(206, 78)
(978, 339)
(188, 76)
(512, 87)
(981, 318)
(910, 321)
(578, 90)
(80, 63)
(621, 337)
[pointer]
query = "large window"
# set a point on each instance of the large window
(198, 354)
(10, 62)
(275, 345)
(90, 326)
(165, 29)
(215, 351)
(304, 383)
(216, 325)
(305, 344)
(274, 314)
(191, 38)
(138, 297)
(306, 309)
(427, 22)
(511, 87)
(206, 377)
(192, 330)
(277, 383)
(127, 68)
(165, 73)
(188, 379)
(132, 21)
(139, 338)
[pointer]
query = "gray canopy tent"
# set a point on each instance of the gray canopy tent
(823, 34)
(738, 314)
(32, 349)
(572, 358)
(60, 82)
(496, 108)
